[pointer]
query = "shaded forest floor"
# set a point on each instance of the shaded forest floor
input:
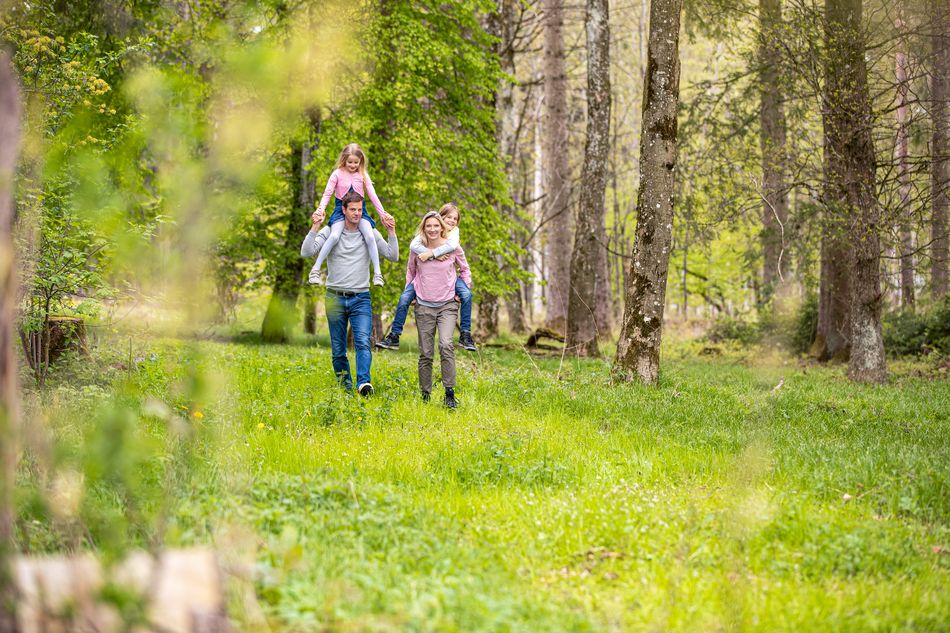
(550, 501)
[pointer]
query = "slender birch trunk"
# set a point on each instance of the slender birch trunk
(589, 258)
(903, 174)
(773, 146)
(940, 144)
(638, 351)
(557, 183)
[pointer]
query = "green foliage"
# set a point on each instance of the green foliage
(910, 333)
(736, 329)
(805, 325)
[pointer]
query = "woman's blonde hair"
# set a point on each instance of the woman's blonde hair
(422, 225)
(448, 208)
(353, 149)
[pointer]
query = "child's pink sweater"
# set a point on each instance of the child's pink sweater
(434, 280)
(340, 182)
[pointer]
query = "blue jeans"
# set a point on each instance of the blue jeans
(359, 313)
(409, 294)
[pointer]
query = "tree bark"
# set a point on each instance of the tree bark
(288, 277)
(773, 146)
(638, 351)
(940, 144)
(850, 139)
(589, 259)
(9, 391)
(557, 186)
(903, 173)
(487, 317)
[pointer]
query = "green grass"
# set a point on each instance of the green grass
(550, 501)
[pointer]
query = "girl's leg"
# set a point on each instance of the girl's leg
(336, 230)
(366, 229)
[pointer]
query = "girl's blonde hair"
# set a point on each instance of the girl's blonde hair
(448, 208)
(353, 149)
(422, 225)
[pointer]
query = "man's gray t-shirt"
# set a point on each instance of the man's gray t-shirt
(348, 262)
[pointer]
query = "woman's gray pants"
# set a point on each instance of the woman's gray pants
(428, 320)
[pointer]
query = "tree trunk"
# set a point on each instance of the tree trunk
(9, 392)
(589, 259)
(288, 278)
(850, 140)
(557, 187)
(638, 351)
(903, 173)
(487, 317)
(940, 175)
(773, 146)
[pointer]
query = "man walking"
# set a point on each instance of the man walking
(347, 299)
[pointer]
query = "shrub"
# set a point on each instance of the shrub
(727, 328)
(805, 325)
(908, 333)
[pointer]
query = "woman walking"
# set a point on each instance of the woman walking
(436, 309)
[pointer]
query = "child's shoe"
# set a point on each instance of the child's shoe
(391, 341)
(377, 279)
(467, 342)
(316, 276)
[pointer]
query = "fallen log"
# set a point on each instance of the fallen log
(543, 332)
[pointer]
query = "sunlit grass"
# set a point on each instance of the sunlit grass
(552, 500)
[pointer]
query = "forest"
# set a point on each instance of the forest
(696, 252)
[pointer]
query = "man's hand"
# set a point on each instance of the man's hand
(317, 219)
(389, 222)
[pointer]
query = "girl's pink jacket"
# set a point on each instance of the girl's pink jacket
(434, 280)
(340, 182)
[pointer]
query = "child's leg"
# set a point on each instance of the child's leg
(370, 238)
(402, 309)
(336, 230)
(465, 311)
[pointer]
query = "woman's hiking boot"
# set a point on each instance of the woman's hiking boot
(467, 342)
(450, 401)
(390, 341)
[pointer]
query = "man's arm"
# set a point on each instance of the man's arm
(316, 237)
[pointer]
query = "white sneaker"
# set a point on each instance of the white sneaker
(377, 279)
(365, 389)
(316, 276)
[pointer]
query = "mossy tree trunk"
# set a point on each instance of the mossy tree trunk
(638, 351)
(849, 112)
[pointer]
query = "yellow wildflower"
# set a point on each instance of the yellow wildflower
(197, 415)
(260, 425)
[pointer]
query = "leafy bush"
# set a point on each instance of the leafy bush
(907, 333)
(727, 328)
(805, 325)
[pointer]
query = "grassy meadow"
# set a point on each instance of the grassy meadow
(750, 491)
